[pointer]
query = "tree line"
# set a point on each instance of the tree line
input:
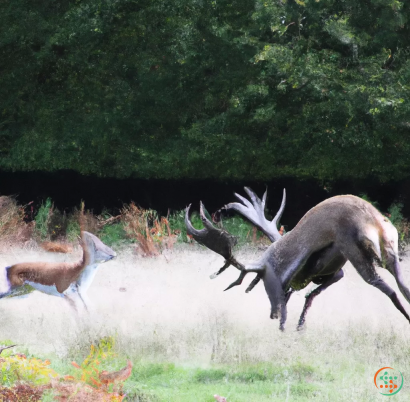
(221, 89)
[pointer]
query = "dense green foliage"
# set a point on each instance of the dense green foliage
(233, 89)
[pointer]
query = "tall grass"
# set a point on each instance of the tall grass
(42, 219)
(322, 365)
(151, 232)
(13, 228)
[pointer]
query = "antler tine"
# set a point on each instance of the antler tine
(255, 281)
(207, 223)
(265, 194)
(255, 212)
(243, 200)
(255, 199)
(190, 229)
(238, 281)
(281, 209)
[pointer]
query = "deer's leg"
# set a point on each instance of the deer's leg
(83, 298)
(364, 266)
(71, 303)
(309, 298)
(283, 309)
(397, 273)
(254, 283)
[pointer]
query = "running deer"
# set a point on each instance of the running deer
(62, 279)
(336, 230)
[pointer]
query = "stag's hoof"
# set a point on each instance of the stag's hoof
(282, 328)
(301, 327)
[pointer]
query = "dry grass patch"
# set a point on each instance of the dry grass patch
(56, 247)
(13, 228)
(152, 234)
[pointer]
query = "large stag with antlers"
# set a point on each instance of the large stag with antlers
(336, 230)
(62, 279)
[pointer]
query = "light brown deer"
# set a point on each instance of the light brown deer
(63, 279)
(339, 229)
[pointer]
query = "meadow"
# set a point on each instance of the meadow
(156, 306)
(188, 340)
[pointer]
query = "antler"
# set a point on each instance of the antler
(219, 241)
(255, 212)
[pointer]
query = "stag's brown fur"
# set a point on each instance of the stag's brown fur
(347, 224)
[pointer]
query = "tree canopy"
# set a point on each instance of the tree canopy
(224, 89)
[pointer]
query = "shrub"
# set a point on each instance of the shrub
(113, 234)
(42, 219)
(13, 228)
(20, 368)
(402, 224)
(51, 224)
(81, 220)
(152, 234)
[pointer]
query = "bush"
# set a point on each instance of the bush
(114, 234)
(152, 233)
(13, 228)
(402, 225)
(42, 219)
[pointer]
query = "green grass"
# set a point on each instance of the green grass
(238, 382)
(114, 234)
(321, 365)
(42, 219)
(293, 382)
(73, 229)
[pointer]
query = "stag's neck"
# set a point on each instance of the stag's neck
(289, 254)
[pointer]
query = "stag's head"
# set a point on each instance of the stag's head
(222, 242)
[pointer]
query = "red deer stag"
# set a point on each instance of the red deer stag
(339, 229)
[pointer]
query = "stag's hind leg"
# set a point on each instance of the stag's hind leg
(309, 298)
(364, 263)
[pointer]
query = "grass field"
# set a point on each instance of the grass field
(188, 340)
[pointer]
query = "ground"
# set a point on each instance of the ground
(189, 340)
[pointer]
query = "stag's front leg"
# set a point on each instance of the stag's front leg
(309, 298)
(366, 269)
